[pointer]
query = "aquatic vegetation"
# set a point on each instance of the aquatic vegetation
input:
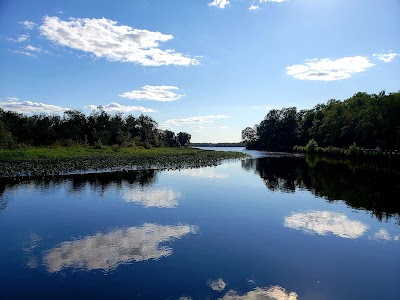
(36, 162)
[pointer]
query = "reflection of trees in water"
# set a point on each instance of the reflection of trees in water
(99, 182)
(362, 186)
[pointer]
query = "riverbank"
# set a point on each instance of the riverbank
(52, 161)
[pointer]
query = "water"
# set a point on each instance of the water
(271, 227)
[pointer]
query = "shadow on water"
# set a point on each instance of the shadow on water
(99, 182)
(366, 186)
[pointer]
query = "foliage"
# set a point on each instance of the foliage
(75, 128)
(369, 120)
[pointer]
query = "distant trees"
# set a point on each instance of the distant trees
(369, 120)
(74, 127)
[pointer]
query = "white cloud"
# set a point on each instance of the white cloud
(108, 251)
(219, 3)
(384, 235)
(29, 107)
(253, 7)
(121, 108)
(28, 24)
(162, 93)
(24, 53)
(104, 38)
(271, 293)
(327, 70)
(192, 120)
(324, 222)
(153, 197)
(35, 49)
(217, 285)
(22, 38)
(386, 57)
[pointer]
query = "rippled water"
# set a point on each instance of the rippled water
(272, 227)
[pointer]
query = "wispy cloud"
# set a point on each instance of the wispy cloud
(121, 108)
(324, 222)
(386, 57)
(254, 7)
(22, 38)
(192, 120)
(219, 3)
(277, 1)
(162, 93)
(28, 24)
(104, 38)
(24, 53)
(29, 107)
(327, 70)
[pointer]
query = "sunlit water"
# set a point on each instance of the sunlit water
(263, 228)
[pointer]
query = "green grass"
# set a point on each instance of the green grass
(35, 153)
(48, 161)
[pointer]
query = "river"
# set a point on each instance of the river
(269, 227)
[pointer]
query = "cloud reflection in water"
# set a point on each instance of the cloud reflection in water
(271, 293)
(107, 251)
(324, 222)
(162, 197)
(208, 173)
(384, 235)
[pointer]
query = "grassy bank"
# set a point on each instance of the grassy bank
(50, 161)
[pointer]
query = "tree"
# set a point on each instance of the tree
(184, 138)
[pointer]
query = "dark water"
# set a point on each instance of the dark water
(265, 228)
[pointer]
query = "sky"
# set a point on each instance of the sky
(207, 67)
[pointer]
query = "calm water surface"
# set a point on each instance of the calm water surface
(264, 228)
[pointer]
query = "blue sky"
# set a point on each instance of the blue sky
(207, 67)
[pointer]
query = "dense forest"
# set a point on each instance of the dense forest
(75, 128)
(368, 120)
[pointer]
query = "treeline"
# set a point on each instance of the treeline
(366, 120)
(75, 128)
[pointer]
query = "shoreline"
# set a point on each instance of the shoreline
(106, 160)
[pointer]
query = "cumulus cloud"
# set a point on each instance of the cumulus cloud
(217, 285)
(162, 93)
(219, 3)
(29, 107)
(108, 251)
(192, 121)
(154, 197)
(386, 57)
(324, 222)
(28, 24)
(327, 70)
(271, 293)
(115, 107)
(384, 235)
(104, 38)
